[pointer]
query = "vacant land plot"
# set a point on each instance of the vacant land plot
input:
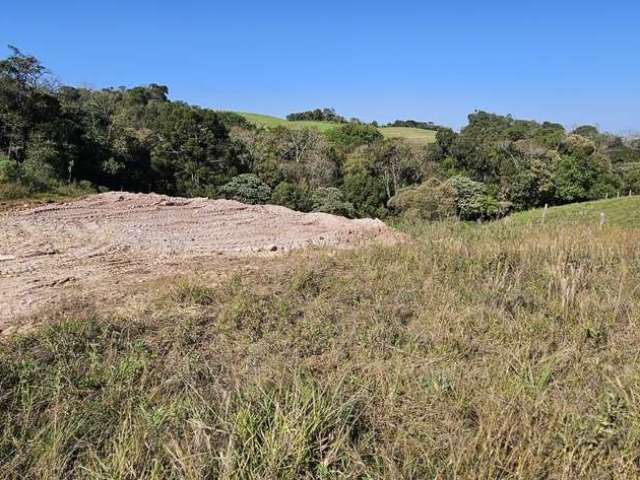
(120, 239)
(503, 351)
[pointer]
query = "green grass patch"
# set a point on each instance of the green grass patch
(623, 212)
(412, 135)
(269, 121)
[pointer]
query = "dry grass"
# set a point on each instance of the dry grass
(504, 351)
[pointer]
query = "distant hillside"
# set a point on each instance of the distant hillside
(417, 136)
(621, 212)
(414, 135)
(269, 121)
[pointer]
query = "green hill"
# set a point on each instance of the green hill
(620, 212)
(413, 135)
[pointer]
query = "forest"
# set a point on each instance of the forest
(57, 137)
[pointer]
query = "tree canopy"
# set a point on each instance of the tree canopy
(137, 139)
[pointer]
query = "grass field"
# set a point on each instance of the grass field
(412, 135)
(269, 121)
(621, 212)
(503, 351)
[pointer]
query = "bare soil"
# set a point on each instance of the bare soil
(106, 244)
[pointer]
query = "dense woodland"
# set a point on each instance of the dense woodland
(57, 137)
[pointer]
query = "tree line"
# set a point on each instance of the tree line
(317, 115)
(54, 136)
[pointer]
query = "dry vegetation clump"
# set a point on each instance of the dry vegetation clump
(499, 351)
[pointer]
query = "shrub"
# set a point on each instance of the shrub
(431, 200)
(40, 176)
(331, 200)
(291, 196)
(247, 188)
(13, 191)
(353, 135)
(9, 169)
(473, 201)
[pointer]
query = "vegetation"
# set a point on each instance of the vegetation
(494, 351)
(416, 136)
(623, 212)
(317, 115)
(417, 124)
(431, 200)
(270, 121)
(505, 350)
(56, 138)
(247, 188)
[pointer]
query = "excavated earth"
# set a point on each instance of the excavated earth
(110, 242)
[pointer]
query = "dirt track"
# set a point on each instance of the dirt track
(113, 240)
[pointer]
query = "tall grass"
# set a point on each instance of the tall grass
(505, 351)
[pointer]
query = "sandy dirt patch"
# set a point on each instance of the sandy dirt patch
(114, 240)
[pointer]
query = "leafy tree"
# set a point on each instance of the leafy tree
(588, 131)
(291, 196)
(318, 115)
(27, 105)
(192, 153)
(353, 135)
(362, 186)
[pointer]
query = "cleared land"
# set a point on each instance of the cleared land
(414, 135)
(621, 212)
(121, 239)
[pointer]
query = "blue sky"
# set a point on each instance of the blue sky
(564, 60)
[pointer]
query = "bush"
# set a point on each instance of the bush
(353, 135)
(9, 169)
(40, 176)
(291, 196)
(247, 188)
(431, 200)
(331, 200)
(13, 191)
(473, 202)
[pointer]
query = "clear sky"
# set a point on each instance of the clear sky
(569, 61)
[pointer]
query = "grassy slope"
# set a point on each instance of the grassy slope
(621, 212)
(269, 121)
(413, 135)
(507, 351)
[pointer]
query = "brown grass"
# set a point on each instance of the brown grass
(474, 352)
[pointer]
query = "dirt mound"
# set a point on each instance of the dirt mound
(122, 238)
